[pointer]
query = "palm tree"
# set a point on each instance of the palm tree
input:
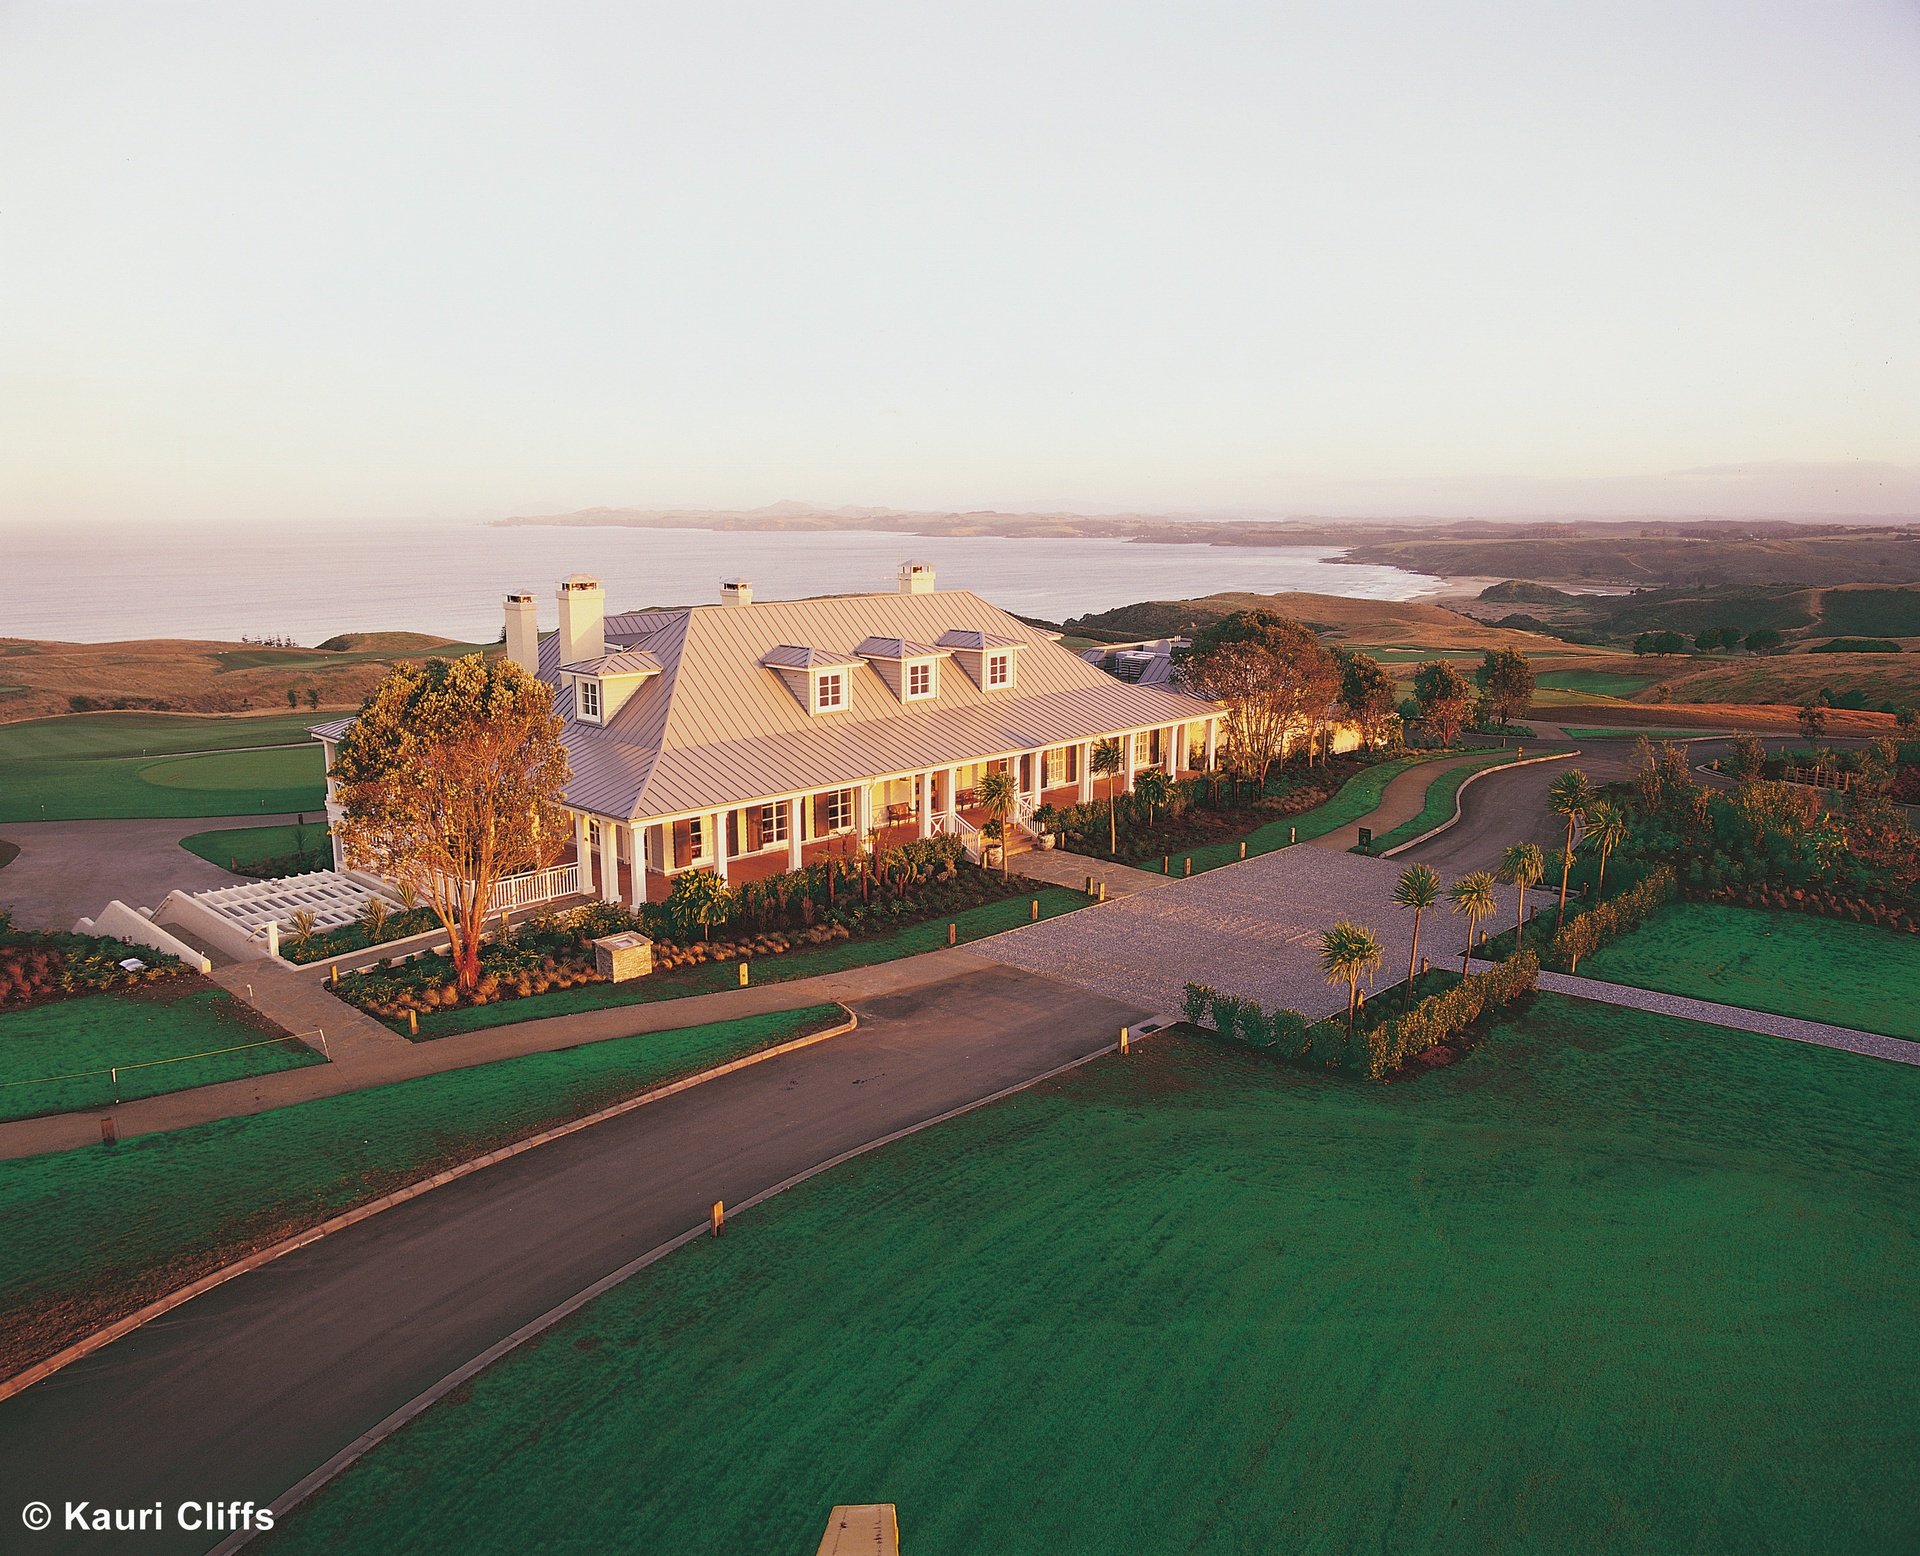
(1571, 797)
(999, 794)
(1474, 896)
(1418, 888)
(1153, 788)
(1606, 831)
(1523, 864)
(1349, 951)
(1107, 762)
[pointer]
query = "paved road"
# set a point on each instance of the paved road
(70, 870)
(243, 1391)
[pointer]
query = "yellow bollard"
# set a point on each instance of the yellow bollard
(1243, 848)
(1103, 893)
(1089, 885)
(1189, 864)
(953, 933)
(718, 1220)
(413, 1023)
(335, 973)
(1125, 1045)
(743, 974)
(1033, 911)
(1166, 864)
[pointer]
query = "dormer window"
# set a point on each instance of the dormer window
(587, 700)
(999, 670)
(829, 691)
(919, 679)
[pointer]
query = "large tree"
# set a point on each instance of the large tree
(1507, 679)
(450, 780)
(1277, 684)
(1366, 692)
(1445, 698)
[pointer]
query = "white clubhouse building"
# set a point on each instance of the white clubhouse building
(750, 738)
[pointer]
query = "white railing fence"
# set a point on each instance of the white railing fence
(520, 891)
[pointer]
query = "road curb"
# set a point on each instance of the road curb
(1459, 793)
(370, 1439)
(122, 1327)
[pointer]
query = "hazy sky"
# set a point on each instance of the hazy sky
(265, 260)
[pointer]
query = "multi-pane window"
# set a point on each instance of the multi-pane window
(920, 680)
(1057, 771)
(840, 811)
(697, 837)
(773, 825)
(831, 692)
(589, 699)
(999, 670)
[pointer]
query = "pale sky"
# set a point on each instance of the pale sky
(271, 261)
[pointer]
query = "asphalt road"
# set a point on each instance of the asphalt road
(243, 1391)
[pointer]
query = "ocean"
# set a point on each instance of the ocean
(313, 582)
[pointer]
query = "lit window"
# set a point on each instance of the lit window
(697, 837)
(840, 811)
(830, 693)
(1056, 767)
(589, 699)
(999, 669)
(920, 680)
(773, 825)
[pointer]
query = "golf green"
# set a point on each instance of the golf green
(1793, 964)
(1617, 1282)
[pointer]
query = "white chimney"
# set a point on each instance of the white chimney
(916, 578)
(736, 591)
(523, 632)
(583, 619)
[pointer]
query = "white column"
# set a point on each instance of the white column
(718, 822)
(637, 850)
(953, 791)
(793, 834)
(609, 861)
(1126, 745)
(1213, 739)
(923, 801)
(1176, 738)
(1083, 764)
(583, 850)
(863, 810)
(1039, 775)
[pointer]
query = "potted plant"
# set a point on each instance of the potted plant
(1045, 819)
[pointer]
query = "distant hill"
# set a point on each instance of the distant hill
(384, 643)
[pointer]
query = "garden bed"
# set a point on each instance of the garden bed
(265, 853)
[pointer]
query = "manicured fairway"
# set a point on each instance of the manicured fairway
(1634, 734)
(93, 1232)
(129, 765)
(970, 924)
(1793, 964)
(1601, 683)
(1616, 1283)
(46, 1051)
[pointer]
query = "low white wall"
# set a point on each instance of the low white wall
(117, 921)
(228, 938)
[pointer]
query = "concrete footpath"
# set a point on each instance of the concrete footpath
(243, 1391)
(366, 1053)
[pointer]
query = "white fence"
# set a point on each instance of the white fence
(521, 891)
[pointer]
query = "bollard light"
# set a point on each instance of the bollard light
(953, 931)
(413, 1023)
(1189, 864)
(743, 973)
(1033, 911)
(1125, 1043)
(718, 1220)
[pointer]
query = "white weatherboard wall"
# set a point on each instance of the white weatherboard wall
(117, 921)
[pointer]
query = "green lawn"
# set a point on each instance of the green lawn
(251, 848)
(1602, 683)
(971, 924)
(95, 1032)
(131, 764)
(93, 1232)
(1652, 733)
(1438, 805)
(1793, 964)
(1615, 1283)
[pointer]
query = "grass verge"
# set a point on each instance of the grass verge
(1791, 964)
(1642, 1267)
(155, 1029)
(263, 851)
(97, 1232)
(1439, 802)
(989, 918)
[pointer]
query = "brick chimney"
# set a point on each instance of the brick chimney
(583, 619)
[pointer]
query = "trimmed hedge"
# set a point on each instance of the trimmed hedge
(1607, 921)
(1379, 1050)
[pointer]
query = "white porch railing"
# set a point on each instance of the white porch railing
(953, 824)
(520, 891)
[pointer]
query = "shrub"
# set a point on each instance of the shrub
(1256, 1030)
(1379, 1050)
(1225, 1010)
(1195, 1000)
(1606, 921)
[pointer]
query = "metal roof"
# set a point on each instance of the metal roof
(799, 656)
(623, 661)
(900, 648)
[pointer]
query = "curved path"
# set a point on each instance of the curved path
(240, 1393)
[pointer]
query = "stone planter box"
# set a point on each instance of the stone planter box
(620, 957)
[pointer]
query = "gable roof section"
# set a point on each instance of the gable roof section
(900, 648)
(799, 656)
(714, 729)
